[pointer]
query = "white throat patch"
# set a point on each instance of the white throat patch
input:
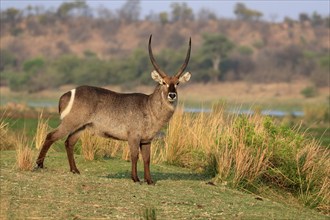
(167, 103)
(69, 106)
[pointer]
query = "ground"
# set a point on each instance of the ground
(104, 191)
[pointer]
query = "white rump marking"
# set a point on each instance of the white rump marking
(69, 106)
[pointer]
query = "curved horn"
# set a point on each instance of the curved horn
(153, 61)
(184, 65)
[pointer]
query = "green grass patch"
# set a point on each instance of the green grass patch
(28, 125)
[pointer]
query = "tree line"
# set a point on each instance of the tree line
(218, 58)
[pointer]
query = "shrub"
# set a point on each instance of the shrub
(309, 92)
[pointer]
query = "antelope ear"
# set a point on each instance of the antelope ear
(155, 76)
(185, 77)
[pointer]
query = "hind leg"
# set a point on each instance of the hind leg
(69, 146)
(50, 139)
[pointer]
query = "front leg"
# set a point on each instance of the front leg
(134, 144)
(145, 150)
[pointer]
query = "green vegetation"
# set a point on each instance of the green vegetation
(244, 13)
(249, 152)
(309, 92)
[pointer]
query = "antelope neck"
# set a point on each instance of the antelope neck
(159, 104)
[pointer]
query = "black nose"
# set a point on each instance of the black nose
(172, 95)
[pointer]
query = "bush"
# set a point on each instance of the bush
(309, 92)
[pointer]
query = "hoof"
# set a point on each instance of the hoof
(149, 182)
(38, 166)
(136, 180)
(75, 171)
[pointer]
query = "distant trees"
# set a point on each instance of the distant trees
(259, 56)
(216, 48)
(206, 14)
(12, 16)
(181, 12)
(76, 7)
(244, 13)
(163, 17)
(130, 11)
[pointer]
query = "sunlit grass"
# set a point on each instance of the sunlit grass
(248, 151)
(25, 156)
(41, 132)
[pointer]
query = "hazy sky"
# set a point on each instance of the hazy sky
(278, 9)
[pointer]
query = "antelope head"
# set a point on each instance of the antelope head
(169, 83)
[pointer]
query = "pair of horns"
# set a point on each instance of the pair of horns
(156, 66)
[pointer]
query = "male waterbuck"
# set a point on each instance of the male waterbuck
(133, 117)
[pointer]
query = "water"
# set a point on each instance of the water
(269, 112)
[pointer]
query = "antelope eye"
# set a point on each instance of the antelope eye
(177, 83)
(164, 83)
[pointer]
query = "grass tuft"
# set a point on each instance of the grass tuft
(7, 139)
(148, 214)
(24, 154)
(94, 146)
(90, 144)
(41, 132)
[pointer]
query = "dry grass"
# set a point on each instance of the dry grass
(317, 113)
(246, 151)
(7, 139)
(209, 141)
(188, 137)
(90, 144)
(314, 173)
(94, 146)
(25, 157)
(41, 133)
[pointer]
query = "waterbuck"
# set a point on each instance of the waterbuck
(133, 117)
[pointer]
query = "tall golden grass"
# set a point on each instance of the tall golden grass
(244, 151)
(41, 132)
(19, 142)
(90, 145)
(7, 139)
(25, 156)
(314, 175)
(94, 146)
